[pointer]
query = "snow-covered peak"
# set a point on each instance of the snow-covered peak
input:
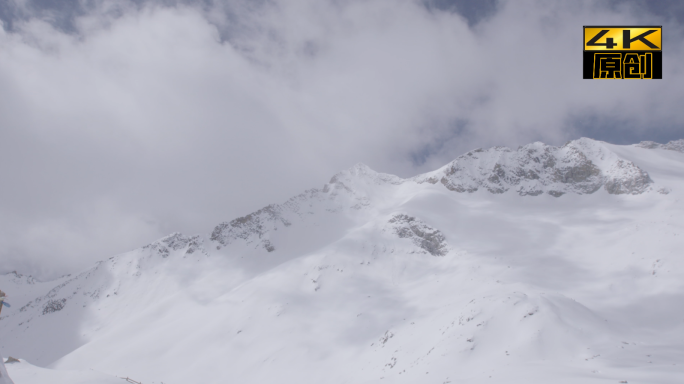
(363, 173)
(581, 166)
(352, 189)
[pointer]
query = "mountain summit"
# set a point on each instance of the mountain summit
(541, 264)
(581, 166)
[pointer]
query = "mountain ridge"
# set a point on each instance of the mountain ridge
(535, 170)
(392, 278)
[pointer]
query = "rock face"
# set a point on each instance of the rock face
(424, 236)
(674, 145)
(53, 306)
(174, 242)
(581, 166)
(256, 225)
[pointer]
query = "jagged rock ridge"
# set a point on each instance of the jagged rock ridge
(346, 190)
(424, 236)
(582, 166)
(255, 227)
(174, 242)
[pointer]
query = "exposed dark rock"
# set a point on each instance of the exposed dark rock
(53, 306)
(423, 235)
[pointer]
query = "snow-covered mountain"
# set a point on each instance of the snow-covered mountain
(541, 264)
(580, 166)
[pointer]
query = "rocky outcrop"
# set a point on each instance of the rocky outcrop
(427, 238)
(174, 242)
(254, 226)
(582, 166)
(53, 306)
(627, 178)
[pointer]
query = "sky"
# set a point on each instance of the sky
(122, 121)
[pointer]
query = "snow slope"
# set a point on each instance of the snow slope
(542, 264)
(4, 376)
(24, 372)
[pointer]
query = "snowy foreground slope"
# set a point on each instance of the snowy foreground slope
(537, 265)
